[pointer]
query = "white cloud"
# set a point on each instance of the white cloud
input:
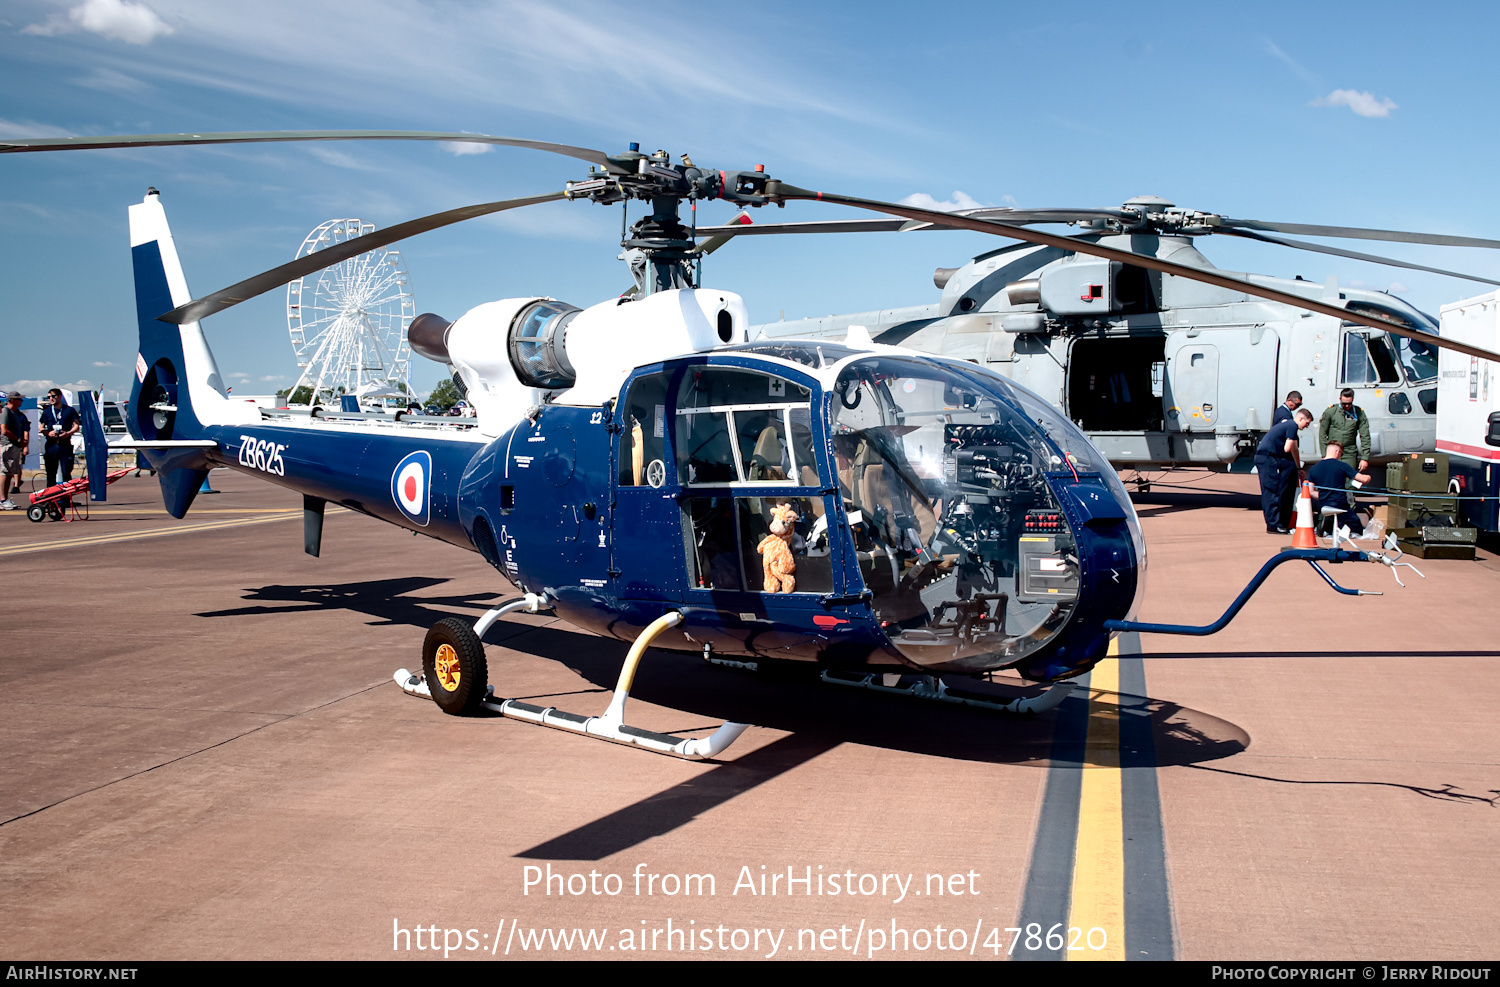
(1363, 103)
(960, 200)
(30, 128)
(1394, 288)
(241, 376)
(339, 159)
(103, 363)
(461, 148)
(30, 388)
(121, 20)
(271, 378)
(1275, 51)
(108, 80)
(513, 54)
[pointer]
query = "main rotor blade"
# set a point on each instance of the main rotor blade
(836, 226)
(1002, 214)
(279, 136)
(261, 283)
(1338, 252)
(1008, 214)
(1355, 233)
(777, 190)
(717, 239)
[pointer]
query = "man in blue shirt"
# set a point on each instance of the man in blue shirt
(1283, 412)
(59, 423)
(1277, 460)
(1329, 477)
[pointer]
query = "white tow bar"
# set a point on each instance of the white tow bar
(610, 726)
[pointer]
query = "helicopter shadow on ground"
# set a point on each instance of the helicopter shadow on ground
(801, 705)
(386, 599)
(1158, 503)
(819, 717)
(709, 694)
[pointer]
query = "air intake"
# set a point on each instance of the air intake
(537, 351)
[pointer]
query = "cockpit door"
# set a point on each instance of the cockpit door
(647, 554)
(722, 466)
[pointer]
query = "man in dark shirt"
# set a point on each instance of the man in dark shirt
(1277, 460)
(1283, 412)
(15, 445)
(59, 423)
(1330, 476)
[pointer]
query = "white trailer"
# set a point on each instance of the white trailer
(1468, 418)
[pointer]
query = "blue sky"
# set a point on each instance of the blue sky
(1363, 114)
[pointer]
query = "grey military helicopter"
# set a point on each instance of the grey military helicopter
(1159, 369)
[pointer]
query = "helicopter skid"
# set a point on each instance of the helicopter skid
(934, 689)
(598, 727)
(607, 728)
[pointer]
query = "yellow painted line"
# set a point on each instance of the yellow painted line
(121, 536)
(1098, 899)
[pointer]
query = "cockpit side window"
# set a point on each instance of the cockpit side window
(1368, 360)
(644, 420)
(743, 427)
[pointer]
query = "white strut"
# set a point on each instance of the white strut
(611, 725)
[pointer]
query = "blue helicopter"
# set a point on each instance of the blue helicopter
(647, 471)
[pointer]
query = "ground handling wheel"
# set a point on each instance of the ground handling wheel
(453, 662)
(36, 512)
(53, 510)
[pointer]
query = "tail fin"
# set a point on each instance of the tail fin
(177, 389)
(95, 447)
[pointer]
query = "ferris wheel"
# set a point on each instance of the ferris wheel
(348, 322)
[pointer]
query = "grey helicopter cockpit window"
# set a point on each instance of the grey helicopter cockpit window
(957, 534)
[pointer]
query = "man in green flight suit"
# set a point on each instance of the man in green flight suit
(1349, 426)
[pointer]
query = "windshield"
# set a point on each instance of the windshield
(1419, 358)
(957, 533)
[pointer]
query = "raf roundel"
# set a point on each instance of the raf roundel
(411, 482)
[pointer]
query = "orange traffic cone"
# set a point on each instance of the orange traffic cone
(1306, 536)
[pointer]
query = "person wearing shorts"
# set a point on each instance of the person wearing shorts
(15, 444)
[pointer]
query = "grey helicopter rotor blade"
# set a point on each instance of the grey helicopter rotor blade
(14, 145)
(261, 283)
(782, 191)
(1026, 217)
(1355, 233)
(1356, 255)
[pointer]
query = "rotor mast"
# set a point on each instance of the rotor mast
(659, 249)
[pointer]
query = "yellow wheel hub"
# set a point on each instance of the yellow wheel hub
(446, 665)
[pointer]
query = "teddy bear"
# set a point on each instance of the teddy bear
(776, 551)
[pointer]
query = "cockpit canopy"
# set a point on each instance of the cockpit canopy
(937, 471)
